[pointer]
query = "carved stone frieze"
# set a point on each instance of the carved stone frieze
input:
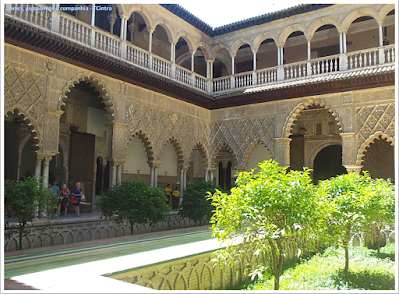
(25, 91)
(239, 135)
(159, 126)
(373, 119)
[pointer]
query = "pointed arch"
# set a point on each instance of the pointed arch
(288, 125)
(99, 86)
(371, 139)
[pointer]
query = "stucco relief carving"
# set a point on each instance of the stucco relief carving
(160, 126)
(25, 91)
(241, 134)
(372, 120)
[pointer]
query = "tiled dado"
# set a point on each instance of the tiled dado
(68, 233)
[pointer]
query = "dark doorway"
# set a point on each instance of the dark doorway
(328, 163)
(11, 148)
(99, 176)
(82, 164)
(379, 160)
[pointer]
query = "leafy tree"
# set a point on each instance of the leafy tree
(25, 198)
(134, 201)
(264, 211)
(195, 203)
(382, 206)
(349, 197)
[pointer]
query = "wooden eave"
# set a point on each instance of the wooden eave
(46, 43)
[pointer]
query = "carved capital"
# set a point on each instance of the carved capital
(353, 168)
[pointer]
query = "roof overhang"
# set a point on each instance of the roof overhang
(46, 43)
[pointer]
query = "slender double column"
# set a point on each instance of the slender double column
(154, 165)
(183, 180)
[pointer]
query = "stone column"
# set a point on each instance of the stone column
(55, 19)
(183, 179)
(232, 83)
(206, 174)
(46, 169)
(151, 175)
(280, 69)
(173, 59)
(343, 62)
(119, 173)
(349, 152)
(150, 40)
(254, 82)
(380, 35)
(123, 32)
(111, 18)
(93, 15)
(38, 166)
(308, 63)
(112, 174)
(282, 151)
(211, 174)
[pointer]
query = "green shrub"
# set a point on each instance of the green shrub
(195, 203)
(134, 201)
(26, 198)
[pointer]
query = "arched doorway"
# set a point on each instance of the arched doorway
(328, 163)
(85, 118)
(379, 160)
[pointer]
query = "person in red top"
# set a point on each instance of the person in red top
(63, 199)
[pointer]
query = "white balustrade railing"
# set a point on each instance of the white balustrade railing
(221, 84)
(137, 55)
(201, 83)
(364, 58)
(325, 65)
(243, 79)
(266, 75)
(107, 42)
(183, 75)
(75, 30)
(32, 13)
(389, 54)
(296, 70)
(161, 65)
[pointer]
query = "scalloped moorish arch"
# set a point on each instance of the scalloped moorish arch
(176, 145)
(234, 162)
(204, 153)
(99, 86)
(251, 147)
(25, 119)
(289, 122)
(148, 146)
(371, 139)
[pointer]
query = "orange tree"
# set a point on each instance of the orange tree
(355, 203)
(264, 211)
